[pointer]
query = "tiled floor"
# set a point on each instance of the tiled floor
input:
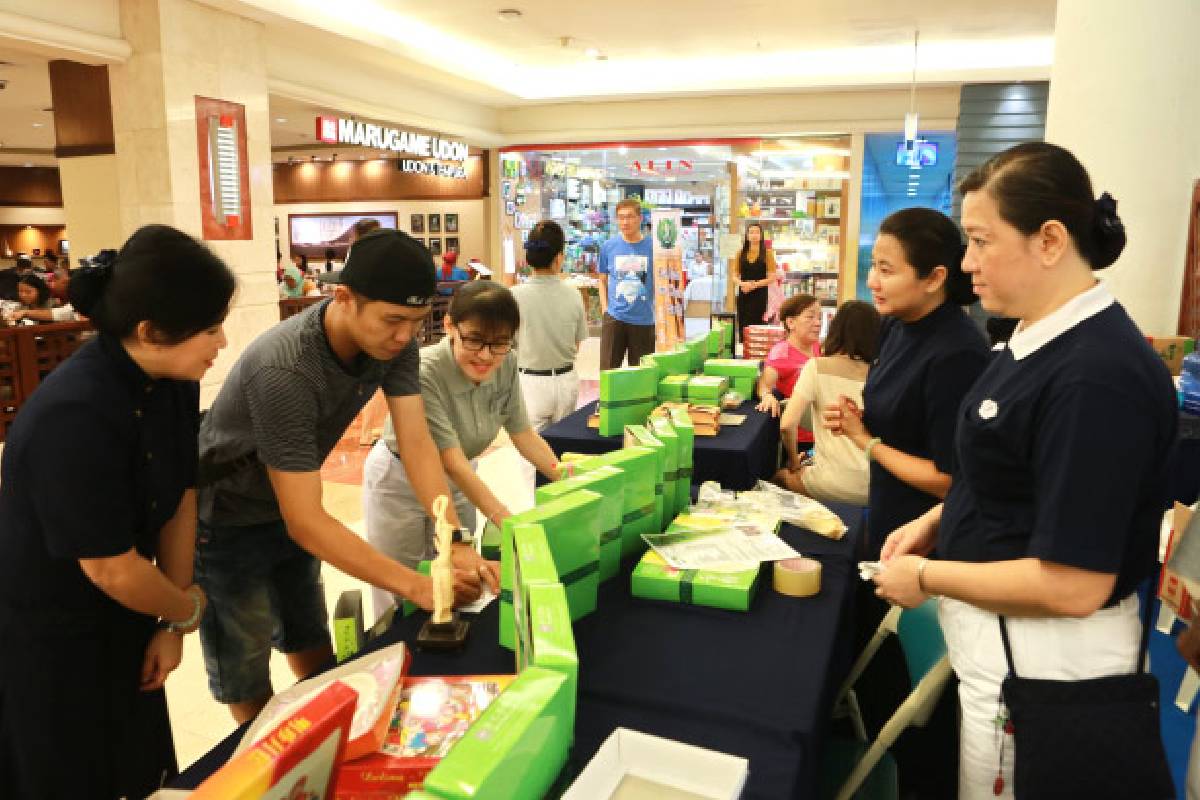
(197, 720)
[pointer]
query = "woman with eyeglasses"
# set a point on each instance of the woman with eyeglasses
(470, 388)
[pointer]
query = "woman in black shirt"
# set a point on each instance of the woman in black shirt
(1047, 522)
(930, 353)
(97, 525)
(754, 270)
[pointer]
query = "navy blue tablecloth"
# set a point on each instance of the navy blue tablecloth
(758, 684)
(736, 457)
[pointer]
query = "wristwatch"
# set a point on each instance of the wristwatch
(463, 536)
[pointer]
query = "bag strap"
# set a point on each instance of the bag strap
(1143, 646)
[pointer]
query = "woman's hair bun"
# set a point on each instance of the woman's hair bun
(86, 287)
(1108, 232)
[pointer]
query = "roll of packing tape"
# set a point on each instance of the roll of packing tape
(798, 577)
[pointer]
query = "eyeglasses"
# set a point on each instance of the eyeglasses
(473, 344)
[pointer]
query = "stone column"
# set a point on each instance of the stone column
(180, 50)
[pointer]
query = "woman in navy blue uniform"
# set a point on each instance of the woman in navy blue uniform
(930, 352)
(97, 526)
(1047, 522)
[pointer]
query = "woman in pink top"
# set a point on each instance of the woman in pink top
(801, 318)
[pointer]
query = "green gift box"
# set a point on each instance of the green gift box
(699, 389)
(551, 641)
(516, 748)
(640, 436)
(627, 396)
(640, 468)
(674, 362)
(682, 422)
(697, 347)
(664, 431)
(572, 528)
(525, 558)
(714, 342)
(490, 542)
(742, 374)
(609, 483)
(654, 579)
(727, 337)
(408, 607)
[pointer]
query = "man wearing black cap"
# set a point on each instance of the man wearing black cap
(263, 530)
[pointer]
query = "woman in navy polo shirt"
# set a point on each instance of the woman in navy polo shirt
(930, 353)
(97, 524)
(1047, 522)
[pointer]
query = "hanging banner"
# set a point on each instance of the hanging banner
(665, 227)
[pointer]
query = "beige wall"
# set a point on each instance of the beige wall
(740, 115)
(1134, 129)
(25, 215)
(471, 215)
(91, 203)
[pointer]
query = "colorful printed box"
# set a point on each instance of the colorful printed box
(297, 758)
(609, 483)
(698, 389)
(742, 374)
(516, 749)
(640, 465)
(432, 715)
(654, 579)
(640, 436)
(627, 396)
(572, 528)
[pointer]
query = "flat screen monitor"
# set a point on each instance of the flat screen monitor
(924, 154)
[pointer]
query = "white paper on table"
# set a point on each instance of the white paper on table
(717, 550)
(479, 605)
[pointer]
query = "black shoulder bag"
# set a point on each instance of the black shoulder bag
(1098, 739)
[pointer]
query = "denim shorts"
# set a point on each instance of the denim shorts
(263, 590)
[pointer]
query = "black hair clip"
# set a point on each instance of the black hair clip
(1106, 214)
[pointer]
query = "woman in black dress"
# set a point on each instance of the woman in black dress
(97, 528)
(753, 272)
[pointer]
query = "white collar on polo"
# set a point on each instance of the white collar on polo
(1026, 341)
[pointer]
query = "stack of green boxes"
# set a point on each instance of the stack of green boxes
(609, 483)
(640, 466)
(742, 374)
(541, 611)
(662, 429)
(682, 422)
(697, 348)
(696, 389)
(627, 396)
(675, 362)
(516, 748)
(654, 579)
(572, 526)
(639, 436)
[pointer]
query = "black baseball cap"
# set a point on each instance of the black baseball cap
(388, 265)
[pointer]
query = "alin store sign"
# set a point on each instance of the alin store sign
(335, 130)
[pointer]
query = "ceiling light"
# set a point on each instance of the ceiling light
(509, 14)
(39, 124)
(29, 163)
(280, 120)
(622, 149)
(592, 52)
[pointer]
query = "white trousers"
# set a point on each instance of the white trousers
(397, 524)
(1060, 648)
(549, 398)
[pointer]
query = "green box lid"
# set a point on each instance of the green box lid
(517, 746)
(552, 640)
(640, 465)
(627, 385)
(609, 483)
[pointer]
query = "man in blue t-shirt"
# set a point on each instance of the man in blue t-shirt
(627, 290)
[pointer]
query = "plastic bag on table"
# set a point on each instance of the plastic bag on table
(797, 509)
